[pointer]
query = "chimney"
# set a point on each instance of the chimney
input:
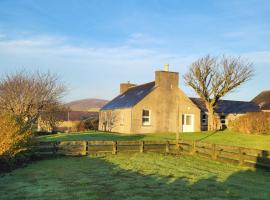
(166, 79)
(125, 86)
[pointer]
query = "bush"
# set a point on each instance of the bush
(251, 123)
(91, 124)
(88, 124)
(14, 142)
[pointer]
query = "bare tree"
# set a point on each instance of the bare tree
(213, 78)
(51, 117)
(27, 95)
(109, 120)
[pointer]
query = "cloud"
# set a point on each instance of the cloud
(89, 70)
(258, 57)
(95, 71)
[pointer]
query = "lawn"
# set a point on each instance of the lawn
(221, 137)
(134, 176)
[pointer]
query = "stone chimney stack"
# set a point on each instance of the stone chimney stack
(166, 79)
(125, 86)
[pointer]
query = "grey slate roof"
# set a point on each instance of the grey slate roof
(131, 97)
(227, 106)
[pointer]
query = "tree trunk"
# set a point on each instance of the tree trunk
(211, 119)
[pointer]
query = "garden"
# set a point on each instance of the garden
(134, 176)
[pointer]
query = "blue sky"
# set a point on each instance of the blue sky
(93, 45)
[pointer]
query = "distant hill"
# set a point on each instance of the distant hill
(87, 104)
(263, 100)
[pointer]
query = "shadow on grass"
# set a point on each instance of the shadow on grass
(211, 134)
(98, 178)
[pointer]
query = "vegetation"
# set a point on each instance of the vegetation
(212, 78)
(252, 123)
(221, 137)
(134, 176)
(24, 98)
(14, 140)
(108, 119)
(87, 124)
(27, 96)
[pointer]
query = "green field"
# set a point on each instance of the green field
(221, 137)
(134, 176)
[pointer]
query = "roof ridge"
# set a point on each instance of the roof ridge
(223, 100)
(140, 85)
(137, 86)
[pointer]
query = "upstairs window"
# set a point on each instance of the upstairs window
(146, 117)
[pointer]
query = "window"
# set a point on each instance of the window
(204, 120)
(146, 117)
(223, 120)
(188, 120)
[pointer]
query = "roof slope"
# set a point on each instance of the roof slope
(263, 100)
(227, 106)
(131, 97)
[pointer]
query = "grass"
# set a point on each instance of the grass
(221, 137)
(134, 176)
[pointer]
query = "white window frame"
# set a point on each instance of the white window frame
(146, 117)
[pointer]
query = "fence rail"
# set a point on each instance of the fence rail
(224, 153)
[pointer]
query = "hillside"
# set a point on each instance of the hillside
(263, 100)
(87, 104)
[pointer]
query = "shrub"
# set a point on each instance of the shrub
(91, 124)
(14, 142)
(88, 124)
(252, 123)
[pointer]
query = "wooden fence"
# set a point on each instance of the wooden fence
(224, 153)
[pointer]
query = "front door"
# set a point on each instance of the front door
(188, 123)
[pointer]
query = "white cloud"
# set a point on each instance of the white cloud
(107, 66)
(258, 57)
(92, 71)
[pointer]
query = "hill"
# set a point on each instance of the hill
(263, 100)
(87, 104)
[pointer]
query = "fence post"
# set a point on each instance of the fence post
(167, 146)
(214, 153)
(86, 148)
(142, 147)
(241, 159)
(54, 148)
(114, 150)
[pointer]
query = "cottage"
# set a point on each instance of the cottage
(161, 106)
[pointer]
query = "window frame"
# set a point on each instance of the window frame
(146, 123)
(204, 119)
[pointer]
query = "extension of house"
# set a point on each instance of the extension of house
(161, 106)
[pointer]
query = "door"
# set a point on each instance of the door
(188, 123)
